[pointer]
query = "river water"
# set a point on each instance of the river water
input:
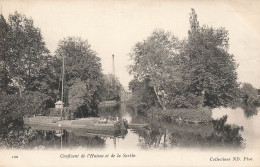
(239, 132)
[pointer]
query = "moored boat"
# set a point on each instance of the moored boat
(94, 124)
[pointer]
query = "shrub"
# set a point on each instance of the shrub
(249, 94)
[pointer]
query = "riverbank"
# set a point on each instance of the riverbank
(182, 115)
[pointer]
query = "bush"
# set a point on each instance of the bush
(13, 108)
(249, 94)
(186, 100)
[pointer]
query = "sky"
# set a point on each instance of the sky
(115, 26)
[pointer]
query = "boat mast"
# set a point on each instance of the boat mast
(62, 81)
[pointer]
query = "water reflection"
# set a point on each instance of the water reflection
(52, 140)
(249, 110)
(218, 134)
(72, 139)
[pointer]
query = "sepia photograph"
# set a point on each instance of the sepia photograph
(129, 83)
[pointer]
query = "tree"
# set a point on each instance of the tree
(249, 94)
(48, 80)
(208, 67)
(5, 32)
(143, 95)
(154, 58)
(25, 67)
(27, 51)
(189, 73)
(77, 94)
(111, 88)
(13, 108)
(81, 63)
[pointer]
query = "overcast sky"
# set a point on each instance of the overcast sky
(113, 27)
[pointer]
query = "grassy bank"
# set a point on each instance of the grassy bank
(179, 115)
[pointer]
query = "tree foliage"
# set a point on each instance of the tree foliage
(81, 63)
(27, 51)
(5, 62)
(189, 73)
(13, 108)
(22, 53)
(209, 69)
(77, 94)
(23, 57)
(249, 94)
(111, 88)
(143, 95)
(154, 58)
(48, 78)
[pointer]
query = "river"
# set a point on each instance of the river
(239, 132)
